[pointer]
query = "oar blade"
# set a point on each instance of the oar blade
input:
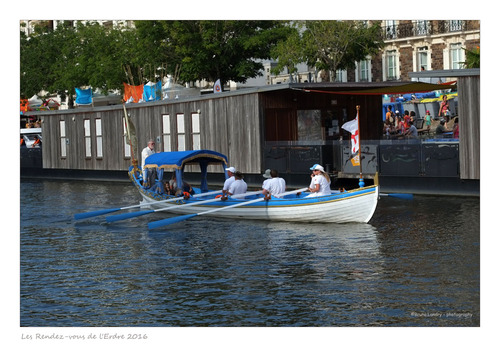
(169, 221)
(401, 196)
(91, 214)
(123, 216)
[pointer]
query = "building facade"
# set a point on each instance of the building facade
(410, 46)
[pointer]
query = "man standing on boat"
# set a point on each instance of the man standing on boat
(146, 152)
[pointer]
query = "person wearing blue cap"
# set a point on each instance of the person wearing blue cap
(320, 182)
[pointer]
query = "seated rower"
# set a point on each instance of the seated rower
(273, 186)
(239, 186)
(320, 182)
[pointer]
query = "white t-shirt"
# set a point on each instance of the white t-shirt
(228, 183)
(238, 187)
(146, 152)
(275, 185)
(264, 183)
(324, 186)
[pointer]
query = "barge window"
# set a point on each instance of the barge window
(98, 137)
(126, 144)
(166, 133)
(195, 128)
(88, 138)
(62, 135)
(181, 135)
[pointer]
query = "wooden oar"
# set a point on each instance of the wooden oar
(123, 216)
(110, 210)
(168, 221)
(398, 195)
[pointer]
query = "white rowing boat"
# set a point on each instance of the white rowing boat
(357, 205)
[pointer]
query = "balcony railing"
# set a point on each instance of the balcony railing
(422, 28)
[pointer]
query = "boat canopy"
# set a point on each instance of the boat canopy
(176, 161)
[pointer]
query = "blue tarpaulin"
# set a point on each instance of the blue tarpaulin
(83, 96)
(408, 97)
(152, 91)
(176, 160)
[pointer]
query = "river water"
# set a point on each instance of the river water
(409, 267)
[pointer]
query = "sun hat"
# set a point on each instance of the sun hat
(317, 167)
(267, 174)
(231, 169)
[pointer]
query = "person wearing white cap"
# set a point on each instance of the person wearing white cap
(320, 182)
(230, 172)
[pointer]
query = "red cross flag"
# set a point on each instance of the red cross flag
(352, 127)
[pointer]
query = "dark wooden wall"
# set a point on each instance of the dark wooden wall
(280, 111)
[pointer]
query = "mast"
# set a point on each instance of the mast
(361, 181)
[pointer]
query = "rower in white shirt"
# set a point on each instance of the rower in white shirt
(239, 186)
(274, 186)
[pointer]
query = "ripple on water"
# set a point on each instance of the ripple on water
(403, 269)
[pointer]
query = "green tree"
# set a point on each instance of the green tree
(225, 50)
(93, 55)
(38, 53)
(334, 45)
(330, 45)
(59, 60)
(288, 53)
(151, 56)
(472, 58)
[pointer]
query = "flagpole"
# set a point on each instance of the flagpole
(361, 181)
(128, 131)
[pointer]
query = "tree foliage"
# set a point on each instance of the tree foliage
(288, 53)
(91, 54)
(472, 58)
(225, 50)
(329, 45)
(58, 61)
